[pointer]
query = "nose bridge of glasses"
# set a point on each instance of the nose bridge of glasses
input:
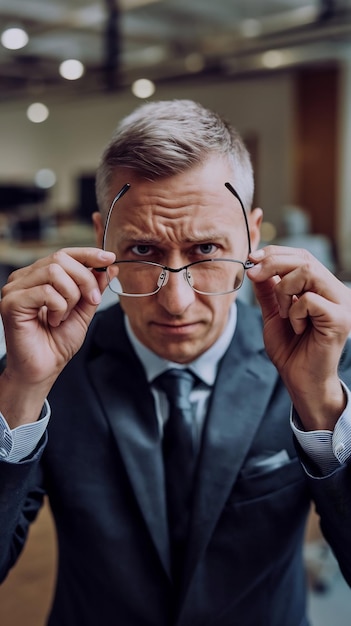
(166, 271)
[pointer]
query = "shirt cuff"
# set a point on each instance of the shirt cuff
(326, 448)
(20, 442)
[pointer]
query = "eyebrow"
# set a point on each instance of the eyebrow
(210, 235)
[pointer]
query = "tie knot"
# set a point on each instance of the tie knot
(177, 385)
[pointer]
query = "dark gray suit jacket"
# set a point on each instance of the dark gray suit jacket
(102, 469)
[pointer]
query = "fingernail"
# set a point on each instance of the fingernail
(96, 296)
(257, 255)
(104, 255)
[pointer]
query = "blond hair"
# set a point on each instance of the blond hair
(164, 138)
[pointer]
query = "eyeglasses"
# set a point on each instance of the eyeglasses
(210, 277)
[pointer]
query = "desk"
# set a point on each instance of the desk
(15, 254)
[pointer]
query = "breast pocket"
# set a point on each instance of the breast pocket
(257, 481)
(262, 524)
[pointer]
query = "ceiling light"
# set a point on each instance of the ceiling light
(128, 5)
(14, 38)
(250, 28)
(37, 112)
(45, 178)
(72, 69)
(194, 62)
(273, 58)
(143, 88)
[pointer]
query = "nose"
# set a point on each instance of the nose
(176, 295)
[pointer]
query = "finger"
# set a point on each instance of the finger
(67, 274)
(299, 282)
(299, 271)
(88, 256)
(91, 258)
(280, 261)
(27, 303)
(44, 283)
(53, 289)
(266, 296)
(286, 291)
(328, 318)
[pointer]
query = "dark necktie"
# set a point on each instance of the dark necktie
(179, 453)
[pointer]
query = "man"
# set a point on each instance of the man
(221, 545)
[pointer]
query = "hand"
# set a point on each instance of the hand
(46, 310)
(307, 318)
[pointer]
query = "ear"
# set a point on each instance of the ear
(255, 220)
(98, 228)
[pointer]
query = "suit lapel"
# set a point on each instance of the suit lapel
(120, 382)
(244, 385)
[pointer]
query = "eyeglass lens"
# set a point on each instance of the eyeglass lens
(207, 277)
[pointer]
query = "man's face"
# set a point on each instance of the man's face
(175, 221)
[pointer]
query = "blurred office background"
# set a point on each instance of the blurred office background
(280, 70)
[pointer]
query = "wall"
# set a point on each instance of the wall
(344, 221)
(71, 140)
(318, 98)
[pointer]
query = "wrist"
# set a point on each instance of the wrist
(21, 403)
(321, 407)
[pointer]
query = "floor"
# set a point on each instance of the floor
(20, 605)
(332, 608)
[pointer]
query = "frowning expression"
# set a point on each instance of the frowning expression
(175, 221)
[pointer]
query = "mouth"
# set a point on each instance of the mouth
(175, 329)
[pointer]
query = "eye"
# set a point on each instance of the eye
(207, 248)
(142, 249)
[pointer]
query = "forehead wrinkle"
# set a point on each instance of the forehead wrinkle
(132, 235)
(145, 223)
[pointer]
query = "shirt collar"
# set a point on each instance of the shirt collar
(205, 366)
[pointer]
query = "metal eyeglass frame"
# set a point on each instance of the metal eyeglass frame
(164, 277)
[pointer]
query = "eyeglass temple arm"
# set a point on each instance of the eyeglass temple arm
(119, 195)
(235, 193)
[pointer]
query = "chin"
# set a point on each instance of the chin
(177, 353)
